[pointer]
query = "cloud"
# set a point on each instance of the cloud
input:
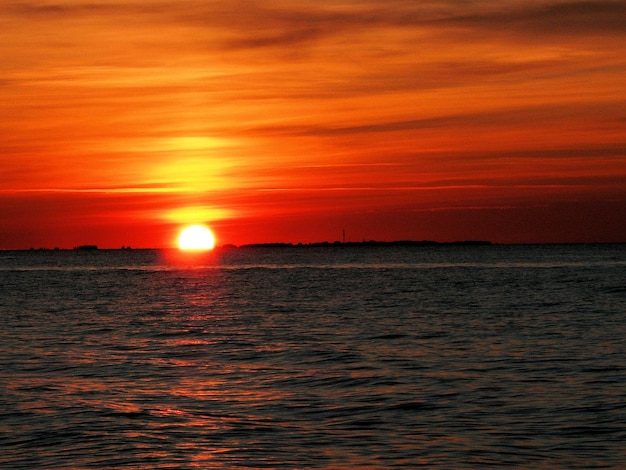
(272, 24)
(572, 18)
(255, 24)
(39, 11)
(497, 118)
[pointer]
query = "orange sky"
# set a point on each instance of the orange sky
(294, 120)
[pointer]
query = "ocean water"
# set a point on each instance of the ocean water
(303, 357)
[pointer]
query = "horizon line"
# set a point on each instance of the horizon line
(337, 243)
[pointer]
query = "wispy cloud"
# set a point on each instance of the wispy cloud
(603, 113)
(549, 18)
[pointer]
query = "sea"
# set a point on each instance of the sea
(334, 357)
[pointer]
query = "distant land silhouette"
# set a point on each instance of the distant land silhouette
(368, 243)
(337, 244)
(364, 243)
(87, 247)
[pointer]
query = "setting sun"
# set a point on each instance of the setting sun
(196, 237)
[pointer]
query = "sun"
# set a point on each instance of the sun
(196, 237)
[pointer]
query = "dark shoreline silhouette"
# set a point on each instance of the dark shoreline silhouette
(368, 243)
(325, 244)
(87, 247)
(365, 243)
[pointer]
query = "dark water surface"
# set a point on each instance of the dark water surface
(441, 357)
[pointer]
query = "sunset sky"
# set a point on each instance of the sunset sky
(292, 121)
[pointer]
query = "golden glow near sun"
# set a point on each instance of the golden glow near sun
(196, 237)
